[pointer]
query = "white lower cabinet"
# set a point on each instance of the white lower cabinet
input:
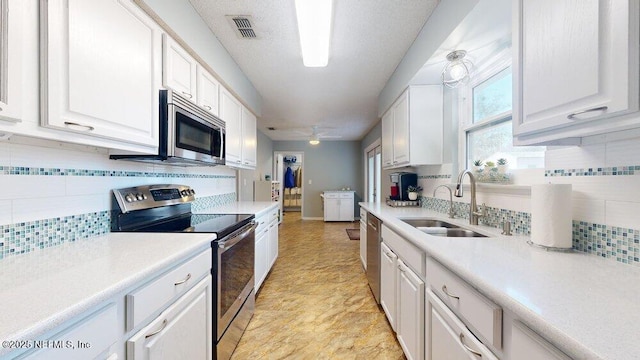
(273, 238)
(261, 256)
(410, 312)
(527, 345)
(338, 205)
(448, 338)
(402, 295)
(182, 331)
(388, 282)
(90, 338)
(266, 250)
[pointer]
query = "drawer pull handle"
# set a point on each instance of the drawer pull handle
(207, 107)
(183, 280)
(444, 290)
(572, 116)
(75, 126)
(187, 94)
(164, 325)
(468, 348)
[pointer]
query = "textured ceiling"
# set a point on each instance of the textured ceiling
(369, 38)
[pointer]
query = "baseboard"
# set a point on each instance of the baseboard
(312, 218)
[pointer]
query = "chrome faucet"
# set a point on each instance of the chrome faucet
(451, 212)
(474, 214)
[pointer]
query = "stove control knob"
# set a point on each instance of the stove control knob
(144, 196)
(193, 192)
(129, 198)
(183, 192)
(139, 197)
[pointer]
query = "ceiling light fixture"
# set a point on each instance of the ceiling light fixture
(314, 26)
(315, 140)
(457, 70)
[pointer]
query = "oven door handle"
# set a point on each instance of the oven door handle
(234, 239)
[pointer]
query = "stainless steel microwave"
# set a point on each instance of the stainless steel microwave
(189, 135)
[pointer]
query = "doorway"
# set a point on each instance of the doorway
(288, 169)
(373, 164)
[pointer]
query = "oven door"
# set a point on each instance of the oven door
(235, 278)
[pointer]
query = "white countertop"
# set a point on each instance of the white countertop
(43, 289)
(241, 207)
(586, 305)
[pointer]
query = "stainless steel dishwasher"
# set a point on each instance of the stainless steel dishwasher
(373, 255)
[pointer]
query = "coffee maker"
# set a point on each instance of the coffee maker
(400, 181)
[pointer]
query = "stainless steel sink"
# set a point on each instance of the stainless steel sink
(429, 223)
(460, 233)
(450, 230)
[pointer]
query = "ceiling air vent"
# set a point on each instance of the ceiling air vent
(242, 25)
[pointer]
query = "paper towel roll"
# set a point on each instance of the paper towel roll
(551, 215)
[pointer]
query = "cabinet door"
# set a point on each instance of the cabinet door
(179, 69)
(388, 283)
(231, 113)
(527, 345)
(261, 258)
(207, 91)
(273, 242)
(410, 312)
(346, 209)
(401, 130)
(182, 331)
(99, 79)
(249, 138)
(10, 61)
(331, 209)
(387, 139)
(582, 67)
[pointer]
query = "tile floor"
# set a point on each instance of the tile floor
(315, 303)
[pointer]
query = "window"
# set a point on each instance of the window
(489, 134)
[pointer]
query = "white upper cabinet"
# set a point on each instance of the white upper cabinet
(412, 129)
(249, 138)
(387, 139)
(10, 61)
(575, 69)
(207, 91)
(231, 113)
(241, 133)
(100, 70)
(179, 69)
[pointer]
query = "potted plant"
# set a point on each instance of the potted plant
(491, 165)
(413, 191)
(502, 165)
(477, 165)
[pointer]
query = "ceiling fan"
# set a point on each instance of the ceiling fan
(317, 133)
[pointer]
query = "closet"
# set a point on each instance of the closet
(290, 173)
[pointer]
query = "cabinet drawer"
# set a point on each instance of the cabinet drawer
(363, 215)
(273, 217)
(480, 313)
(263, 223)
(449, 337)
(98, 332)
(346, 196)
(409, 253)
(331, 195)
(147, 300)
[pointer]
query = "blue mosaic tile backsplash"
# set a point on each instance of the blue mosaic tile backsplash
(29, 236)
(619, 244)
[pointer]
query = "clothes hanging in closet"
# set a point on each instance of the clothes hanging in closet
(289, 180)
(298, 177)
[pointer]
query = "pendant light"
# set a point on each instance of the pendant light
(457, 69)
